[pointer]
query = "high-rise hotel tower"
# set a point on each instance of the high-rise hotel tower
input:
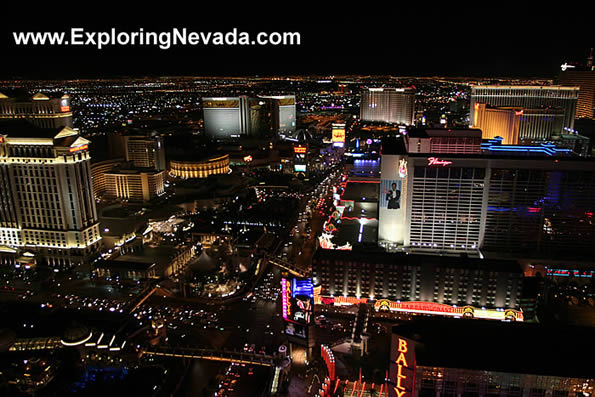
(583, 77)
(389, 105)
(46, 196)
(542, 107)
(39, 109)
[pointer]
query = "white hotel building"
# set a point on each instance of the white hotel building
(47, 206)
(537, 201)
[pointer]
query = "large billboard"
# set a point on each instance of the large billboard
(298, 300)
(393, 199)
(298, 305)
(390, 194)
(338, 134)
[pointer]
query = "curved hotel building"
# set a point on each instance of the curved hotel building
(200, 168)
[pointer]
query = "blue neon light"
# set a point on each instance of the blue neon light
(302, 287)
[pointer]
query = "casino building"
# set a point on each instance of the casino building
(193, 167)
(505, 199)
(516, 124)
(424, 284)
(46, 194)
(39, 109)
(134, 184)
(145, 151)
(389, 105)
(439, 357)
(243, 116)
(98, 171)
(528, 97)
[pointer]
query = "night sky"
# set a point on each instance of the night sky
(511, 41)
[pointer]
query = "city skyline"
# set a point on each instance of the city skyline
(400, 204)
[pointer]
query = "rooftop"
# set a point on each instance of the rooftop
(522, 348)
(430, 132)
(403, 259)
(528, 87)
(361, 190)
(19, 95)
(20, 128)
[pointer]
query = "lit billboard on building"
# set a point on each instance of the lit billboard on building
(297, 297)
(338, 135)
(393, 199)
(431, 308)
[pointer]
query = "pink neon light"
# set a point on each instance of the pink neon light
(284, 297)
(437, 161)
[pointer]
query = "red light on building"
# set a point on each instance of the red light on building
(329, 359)
(78, 148)
(65, 108)
(1, 139)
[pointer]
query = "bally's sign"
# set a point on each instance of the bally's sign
(402, 367)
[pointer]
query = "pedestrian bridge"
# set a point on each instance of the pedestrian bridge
(290, 267)
(211, 354)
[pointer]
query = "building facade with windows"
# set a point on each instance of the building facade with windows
(585, 79)
(388, 105)
(243, 116)
(559, 98)
(145, 151)
(137, 184)
(39, 109)
(516, 124)
(46, 195)
(424, 284)
(98, 171)
(192, 167)
(534, 200)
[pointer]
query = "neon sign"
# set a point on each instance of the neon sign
(78, 148)
(402, 367)
(299, 149)
(286, 296)
(437, 161)
(402, 168)
(434, 308)
(329, 358)
(565, 66)
(65, 108)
